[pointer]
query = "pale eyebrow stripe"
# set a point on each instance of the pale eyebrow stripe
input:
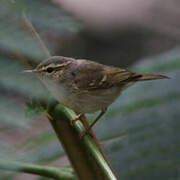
(55, 66)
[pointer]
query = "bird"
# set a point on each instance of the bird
(86, 86)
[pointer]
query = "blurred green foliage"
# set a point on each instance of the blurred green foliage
(34, 108)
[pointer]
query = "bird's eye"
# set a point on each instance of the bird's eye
(49, 70)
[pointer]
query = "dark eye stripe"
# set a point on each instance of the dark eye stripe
(50, 69)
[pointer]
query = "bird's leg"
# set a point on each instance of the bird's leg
(82, 118)
(86, 125)
(77, 118)
(93, 123)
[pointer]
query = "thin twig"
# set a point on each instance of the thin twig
(36, 35)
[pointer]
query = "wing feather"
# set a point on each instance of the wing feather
(92, 76)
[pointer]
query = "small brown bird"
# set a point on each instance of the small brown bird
(86, 86)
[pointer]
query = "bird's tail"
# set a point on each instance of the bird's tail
(145, 77)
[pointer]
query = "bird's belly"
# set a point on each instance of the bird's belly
(92, 101)
(85, 102)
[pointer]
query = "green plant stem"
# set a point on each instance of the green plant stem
(85, 156)
(50, 172)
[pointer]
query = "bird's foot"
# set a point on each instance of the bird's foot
(75, 119)
(83, 134)
(86, 132)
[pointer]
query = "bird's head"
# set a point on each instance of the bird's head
(52, 68)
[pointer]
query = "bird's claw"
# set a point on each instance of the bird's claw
(85, 132)
(75, 119)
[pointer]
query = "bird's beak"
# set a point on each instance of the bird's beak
(30, 71)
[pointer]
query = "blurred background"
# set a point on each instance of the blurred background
(140, 133)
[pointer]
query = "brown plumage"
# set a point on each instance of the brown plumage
(86, 86)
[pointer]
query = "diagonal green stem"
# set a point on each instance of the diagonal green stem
(85, 156)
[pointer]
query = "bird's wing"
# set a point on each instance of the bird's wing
(91, 76)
